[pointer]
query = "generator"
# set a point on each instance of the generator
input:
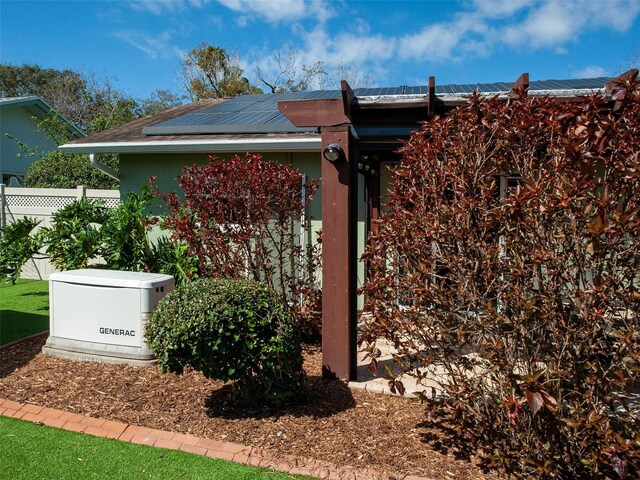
(100, 315)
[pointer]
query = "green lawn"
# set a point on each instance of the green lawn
(24, 309)
(31, 452)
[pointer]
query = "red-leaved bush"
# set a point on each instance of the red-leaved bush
(507, 275)
(241, 218)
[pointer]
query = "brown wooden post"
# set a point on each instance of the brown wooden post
(338, 231)
(521, 84)
(338, 277)
(431, 97)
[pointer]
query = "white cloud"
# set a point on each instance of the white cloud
(499, 8)
(592, 71)
(434, 42)
(547, 26)
(154, 46)
(525, 24)
(478, 29)
(274, 11)
(158, 7)
(553, 23)
(242, 21)
(215, 20)
(618, 15)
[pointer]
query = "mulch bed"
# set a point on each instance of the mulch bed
(347, 427)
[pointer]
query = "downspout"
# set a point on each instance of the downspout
(103, 168)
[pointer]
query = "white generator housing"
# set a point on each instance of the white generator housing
(100, 315)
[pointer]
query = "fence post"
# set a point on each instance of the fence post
(82, 192)
(3, 218)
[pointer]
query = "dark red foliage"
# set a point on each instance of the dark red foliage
(241, 217)
(508, 271)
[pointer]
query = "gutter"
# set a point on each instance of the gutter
(103, 168)
(308, 144)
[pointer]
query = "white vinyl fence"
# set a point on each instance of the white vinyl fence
(41, 204)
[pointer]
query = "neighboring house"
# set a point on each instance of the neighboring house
(19, 117)
(346, 137)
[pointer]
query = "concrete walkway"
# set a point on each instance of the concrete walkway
(377, 383)
(189, 443)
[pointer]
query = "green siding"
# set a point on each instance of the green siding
(18, 123)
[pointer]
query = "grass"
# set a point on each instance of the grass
(29, 451)
(24, 309)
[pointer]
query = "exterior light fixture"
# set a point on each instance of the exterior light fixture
(333, 152)
(368, 166)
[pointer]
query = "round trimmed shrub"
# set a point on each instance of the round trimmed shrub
(230, 330)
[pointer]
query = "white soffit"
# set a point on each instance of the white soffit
(312, 144)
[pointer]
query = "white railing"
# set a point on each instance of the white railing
(41, 204)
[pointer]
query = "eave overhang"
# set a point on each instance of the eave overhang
(307, 144)
(39, 108)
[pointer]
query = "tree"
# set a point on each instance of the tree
(516, 296)
(159, 101)
(632, 61)
(348, 71)
(115, 112)
(284, 74)
(62, 170)
(209, 72)
(65, 90)
(92, 104)
(240, 217)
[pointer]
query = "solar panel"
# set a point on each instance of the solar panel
(500, 87)
(279, 119)
(246, 118)
(579, 83)
(444, 89)
(260, 114)
(590, 82)
(195, 118)
(420, 90)
(465, 88)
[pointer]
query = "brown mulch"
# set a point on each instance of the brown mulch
(343, 426)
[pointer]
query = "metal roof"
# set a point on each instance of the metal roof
(244, 114)
(259, 113)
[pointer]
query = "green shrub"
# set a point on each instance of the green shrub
(18, 246)
(86, 231)
(231, 330)
(519, 294)
(125, 243)
(172, 257)
(265, 202)
(61, 170)
(74, 238)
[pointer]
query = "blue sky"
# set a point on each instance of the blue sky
(137, 44)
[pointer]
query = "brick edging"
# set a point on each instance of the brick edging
(234, 452)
